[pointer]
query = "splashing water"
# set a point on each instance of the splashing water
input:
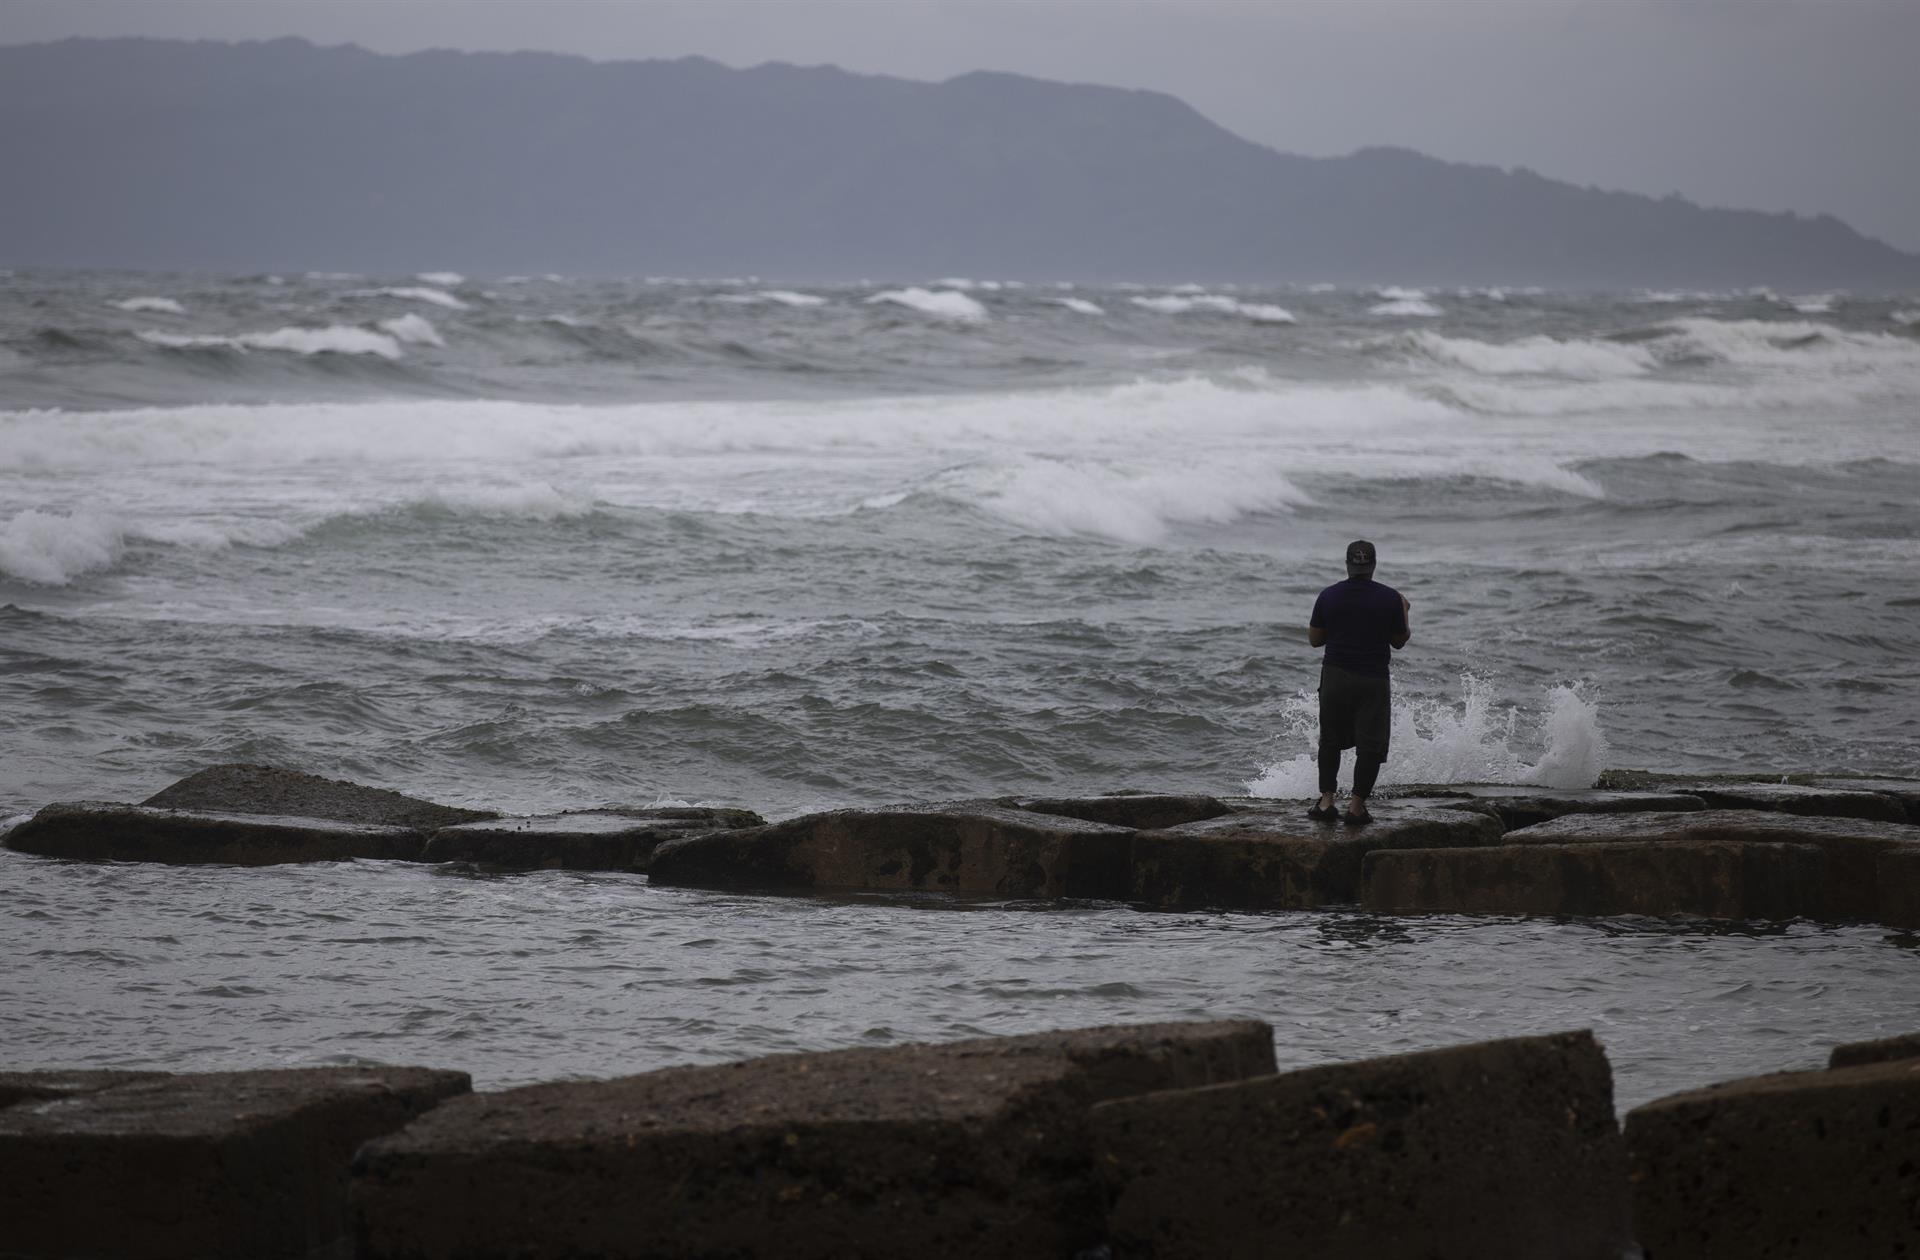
(1469, 741)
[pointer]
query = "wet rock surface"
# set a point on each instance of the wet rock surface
(1138, 810)
(1853, 847)
(1505, 1149)
(599, 840)
(19, 1087)
(228, 1164)
(251, 789)
(964, 1150)
(1884, 1050)
(985, 849)
(1677, 877)
(140, 833)
(1897, 877)
(1280, 859)
(1526, 807)
(1905, 791)
(1801, 1164)
(1789, 798)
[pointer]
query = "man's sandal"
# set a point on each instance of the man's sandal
(1328, 814)
(1357, 818)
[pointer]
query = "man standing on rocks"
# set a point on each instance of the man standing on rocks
(1357, 621)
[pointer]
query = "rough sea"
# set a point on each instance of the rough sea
(535, 543)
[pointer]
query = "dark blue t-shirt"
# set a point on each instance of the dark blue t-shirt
(1361, 618)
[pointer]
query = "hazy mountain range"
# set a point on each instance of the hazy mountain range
(283, 155)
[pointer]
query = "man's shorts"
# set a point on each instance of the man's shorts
(1355, 710)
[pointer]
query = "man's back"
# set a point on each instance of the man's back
(1363, 620)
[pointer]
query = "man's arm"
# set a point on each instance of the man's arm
(1406, 629)
(1316, 636)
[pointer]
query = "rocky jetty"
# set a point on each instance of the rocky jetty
(580, 840)
(1833, 849)
(1166, 1140)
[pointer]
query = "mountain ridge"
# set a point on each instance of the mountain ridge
(285, 154)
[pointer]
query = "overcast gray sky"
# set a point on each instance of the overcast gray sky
(1809, 105)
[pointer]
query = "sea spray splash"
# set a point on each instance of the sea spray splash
(1472, 740)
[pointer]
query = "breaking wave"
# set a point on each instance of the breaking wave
(1260, 313)
(941, 304)
(338, 339)
(1536, 356)
(1472, 739)
(158, 305)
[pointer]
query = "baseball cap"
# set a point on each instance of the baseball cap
(1360, 554)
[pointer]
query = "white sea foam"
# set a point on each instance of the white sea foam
(334, 275)
(445, 279)
(1905, 317)
(1815, 303)
(942, 304)
(1218, 304)
(1080, 306)
(1472, 739)
(776, 297)
(1536, 356)
(337, 339)
(414, 293)
(1405, 308)
(1132, 504)
(53, 548)
(413, 330)
(162, 305)
(1395, 293)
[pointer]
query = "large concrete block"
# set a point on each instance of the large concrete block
(1707, 879)
(1528, 806)
(1816, 802)
(1496, 1150)
(1885, 1050)
(582, 840)
(19, 1087)
(244, 789)
(1896, 877)
(1853, 846)
(1798, 1166)
(1905, 791)
(970, 1150)
(138, 833)
(249, 1165)
(986, 849)
(1138, 810)
(1279, 859)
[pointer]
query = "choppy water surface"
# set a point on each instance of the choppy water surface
(530, 542)
(532, 977)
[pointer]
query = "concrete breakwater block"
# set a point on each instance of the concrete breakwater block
(18, 1087)
(1139, 810)
(249, 789)
(1853, 847)
(1906, 791)
(592, 840)
(1813, 802)
(100, 831)
(1813, 1165)
(964, 1150)
(1525, 807)
(1707, 879)
(1280, 859)
(1897, 877)
(1885, 1050)
(986, 849)
(229, 1164)
(1495, 1150)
